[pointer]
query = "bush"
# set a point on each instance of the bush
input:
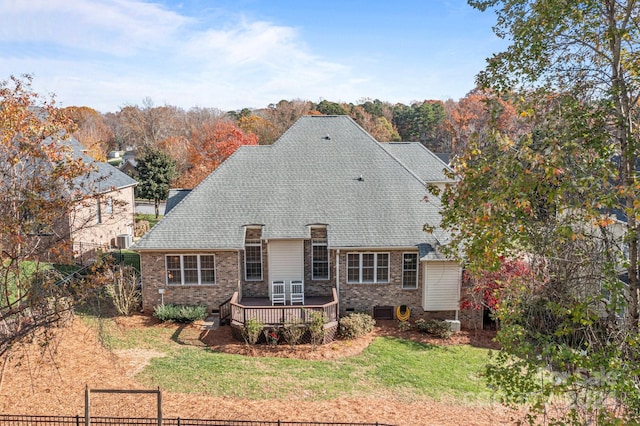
(251, 331)
(316, 327)
(439, 329)
(292, 332)
(123, 289)
(271, 336)
(355, 325)
(404, 326)
(179, 313)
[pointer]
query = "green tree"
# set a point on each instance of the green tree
(156, 170)
(330, 108)
(419, 122)
(546, 194)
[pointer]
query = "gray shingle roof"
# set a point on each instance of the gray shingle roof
(323, 170)
(175, 196)
(427, 165)
(104, 177)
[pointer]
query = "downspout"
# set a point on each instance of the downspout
(239, 278)
(338, 278)
(459, 292)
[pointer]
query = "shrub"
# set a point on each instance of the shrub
(251, 331)
(355, 325)
(316, 327)
(123, 289)
(179, 313)
(404, 326)
(439, 329)
(271, 336)
(292, 332)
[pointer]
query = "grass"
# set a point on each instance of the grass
(151, 218)
(394, 367)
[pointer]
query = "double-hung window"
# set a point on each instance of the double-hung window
(320, 260)
(192, 269)
(253, 260)
(410, 270)
(368, 267)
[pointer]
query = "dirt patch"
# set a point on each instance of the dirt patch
(135, 360)
(52, 382)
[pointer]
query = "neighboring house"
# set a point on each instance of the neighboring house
(326, 204)
(129, 167)
(106, 218)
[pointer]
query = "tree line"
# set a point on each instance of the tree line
(199, 139)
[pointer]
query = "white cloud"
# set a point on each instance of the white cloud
(117, 27)
(106, 54)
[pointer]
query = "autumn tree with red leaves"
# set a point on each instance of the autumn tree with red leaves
(486, 289)
(209, 146)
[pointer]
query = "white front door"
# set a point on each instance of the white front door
(286, 260)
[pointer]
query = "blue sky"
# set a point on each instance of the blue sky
(226, 54)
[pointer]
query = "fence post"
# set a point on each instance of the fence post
(87, 420)
(77, 420)
(159, 407)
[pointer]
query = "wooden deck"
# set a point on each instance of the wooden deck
(260, 308)
(264, 301)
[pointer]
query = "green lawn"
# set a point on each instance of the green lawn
(389, 367)
(151, 218)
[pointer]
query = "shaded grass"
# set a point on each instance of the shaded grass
(402, 368)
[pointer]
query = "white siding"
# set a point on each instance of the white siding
(286, 260)
(441, 286)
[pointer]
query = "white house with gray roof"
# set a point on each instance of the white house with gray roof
(326, 204)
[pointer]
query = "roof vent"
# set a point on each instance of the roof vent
(361, 179)
(327, 137)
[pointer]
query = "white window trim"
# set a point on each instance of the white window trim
(375, 267)
(415, 284)
(108, 205)
(253, 243)
(320, 242)
(182, 283)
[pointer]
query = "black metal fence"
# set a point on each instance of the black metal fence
(25, 420)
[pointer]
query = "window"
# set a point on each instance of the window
(320, 260)
(367, 267)
(410, 270)
(253, 260)
(196, 269)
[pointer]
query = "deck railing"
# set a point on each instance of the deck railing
(280, 315)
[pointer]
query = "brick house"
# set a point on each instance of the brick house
(105, 217)
(326, 204)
